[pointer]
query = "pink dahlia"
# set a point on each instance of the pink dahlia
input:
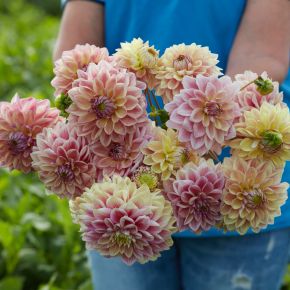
(121, 156)
(71, 61)
(204, 111)
(195, 195)
(20, 122)
(63, 161)
(117, 218)
(250, 97)
(108, 102)
(179, 61)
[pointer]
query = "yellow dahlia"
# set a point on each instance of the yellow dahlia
(183, 60)
(264, 133)
(137, 56)
(164, 153)
(253, 194)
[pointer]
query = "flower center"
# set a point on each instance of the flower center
(271, 142)
(65, 173)
(148, 57)
(255, 198)
(212, 109)
(202, 207)
(84, 67)
(103, 107)
(122, 239)
(117, 151)
(181, 62)
(18, 143)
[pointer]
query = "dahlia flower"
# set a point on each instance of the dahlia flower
(253, 194)
(140, 58)
(163, 152)
(63, 161)
(20, 122)
(250, 97)
(117, 218)
(195, 195)
(107, 102)
(183, 60)
(122, 156)
(264, 133)
(203, 113)
(71, 61)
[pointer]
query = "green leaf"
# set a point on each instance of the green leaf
(6, 236)
(37, 221)
(12, 283)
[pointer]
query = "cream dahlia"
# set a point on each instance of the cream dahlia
(20, 122)
(117, 218)
(253, 194)
(203, 113)
(140, 58)
(107, 102)
(250, 97)
(63, 161)
(163, 152)
(183, 60)
(195, 195)
(71, 61)
(265, 134)
(122, 156)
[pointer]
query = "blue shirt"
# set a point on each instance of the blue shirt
(211, 23)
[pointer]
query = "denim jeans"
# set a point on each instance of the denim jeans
(251, 262)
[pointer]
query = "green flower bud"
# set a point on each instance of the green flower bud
(272, 141)
(264, 87)
(62, 102)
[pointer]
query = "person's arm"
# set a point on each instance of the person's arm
(263, 40)
(82, 22)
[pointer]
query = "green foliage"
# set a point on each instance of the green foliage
(26, 42)
(40, 247)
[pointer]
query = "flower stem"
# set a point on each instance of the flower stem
(248, 84)
(148, 95)
(155, 100)
(213, 155)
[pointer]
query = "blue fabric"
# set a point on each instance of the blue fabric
(232, 263)
(63, 2)
(206, 22)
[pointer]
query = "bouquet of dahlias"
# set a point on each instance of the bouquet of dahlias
(134, 178)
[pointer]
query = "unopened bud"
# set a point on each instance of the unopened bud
(62, 102)
(264, 87)
(272, 141)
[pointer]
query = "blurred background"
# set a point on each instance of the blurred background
(40, 248)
